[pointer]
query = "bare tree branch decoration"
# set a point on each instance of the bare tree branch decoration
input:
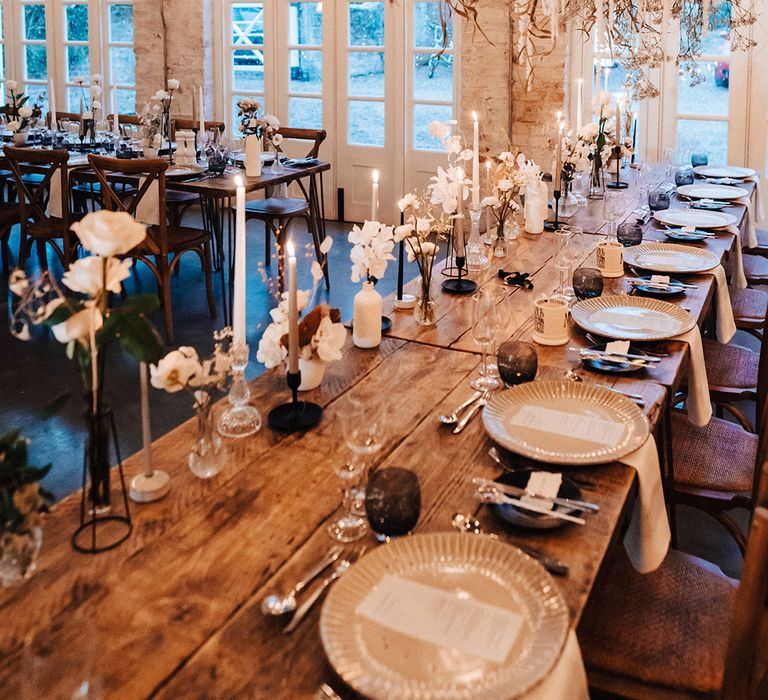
(633, 30)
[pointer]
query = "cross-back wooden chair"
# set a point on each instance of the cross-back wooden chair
(278, 212)
(715, 469)
(38, 227)
(750, 307)
(684, 630)
(164, 245)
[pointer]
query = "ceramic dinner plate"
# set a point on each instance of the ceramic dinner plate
(563, 422)
(622, 317)
(182, 171)
(729, 171)
(698, 218)
(723, 192)
(670, 257)
(381, 663)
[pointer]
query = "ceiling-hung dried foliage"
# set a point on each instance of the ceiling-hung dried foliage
(632, 30)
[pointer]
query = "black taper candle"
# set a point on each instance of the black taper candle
(634, 139)
(400, 264)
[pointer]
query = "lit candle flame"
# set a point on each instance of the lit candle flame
(238, 181)
(289, 248)
(375, 176)
(474, 116)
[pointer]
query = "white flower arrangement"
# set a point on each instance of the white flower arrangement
(372, 246)
(251, 124)
(184, 369)
(321, 335)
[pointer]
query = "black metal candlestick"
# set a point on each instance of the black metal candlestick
(296, 415)
(554, 225)
(459, 285)
(400, 263)
(617, 184)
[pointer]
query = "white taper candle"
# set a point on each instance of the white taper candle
(238, 312)
(293, 312)
(475, 161)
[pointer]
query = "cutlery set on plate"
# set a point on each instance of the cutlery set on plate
(465, 412)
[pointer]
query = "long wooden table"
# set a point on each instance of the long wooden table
(174, 611)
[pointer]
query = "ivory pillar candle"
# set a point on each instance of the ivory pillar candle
(238, 311)
(293, 312)
(375, 195)
(475, 161)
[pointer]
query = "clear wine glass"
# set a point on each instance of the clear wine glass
(359, 423)
(484, 329)
(612, 210)
(561, 259)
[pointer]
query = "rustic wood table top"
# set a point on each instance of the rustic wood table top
(174, 611)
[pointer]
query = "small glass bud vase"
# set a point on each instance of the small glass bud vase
(499, 247)
(366, 324)
(208, 454)
(424, 311)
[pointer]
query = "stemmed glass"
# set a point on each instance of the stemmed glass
(561, 258)
(612, 210)
(485, 325)
(361, 426)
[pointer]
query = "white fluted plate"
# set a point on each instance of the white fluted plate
(670, 257)
(698, 218)
(550, 442)
(728, 171)
(723, 192)
(380, 663)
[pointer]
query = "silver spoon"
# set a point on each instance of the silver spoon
(453, 418)
(280, 605)
(466, 523)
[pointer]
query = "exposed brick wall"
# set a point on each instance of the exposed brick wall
(497, 90)
(188, 48)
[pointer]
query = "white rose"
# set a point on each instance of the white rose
(272, 121)
(11, 85)
(439, 130)
(408, 201)
(87, 115)
(505, 185)
(96, 78)
(18, 282)
(96, 105)
(109, 233)
(174, 371)
(95, 91)
(25, 112)
(78, 80)
(15, 125)
(490, 201)
(78, 325)
(173, 84)
(402, 232)
(85, 275)
(277, 139)
(329, 340)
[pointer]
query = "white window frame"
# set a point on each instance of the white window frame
(56, 43)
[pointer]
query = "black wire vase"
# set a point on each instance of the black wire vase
(102, 526)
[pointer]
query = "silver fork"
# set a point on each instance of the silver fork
(470, 414)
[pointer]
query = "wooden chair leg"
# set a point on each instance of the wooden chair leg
(268, 243)
(42, 255)
(208, 271)
(5, 251)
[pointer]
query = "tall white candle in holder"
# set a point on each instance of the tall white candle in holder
(618, 120)
(293, 312)
(579, 107)
(375, 195)
(559, 159)
(201, 116)
(238, 311)
(475, 161)
(52, 103)
(490, 193)
(459, 228)
(115, 116)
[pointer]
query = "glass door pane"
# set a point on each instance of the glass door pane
(246, 52)
(305, 65)
(34, 53)
(366, 74)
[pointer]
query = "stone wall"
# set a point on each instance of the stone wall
(523, 120)
(187, 52)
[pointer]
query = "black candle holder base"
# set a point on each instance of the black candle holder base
(617, 185)
(386, 324)
(459, 285)
(552, 225)
(293, 416)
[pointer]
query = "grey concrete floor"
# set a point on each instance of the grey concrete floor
(35, 372)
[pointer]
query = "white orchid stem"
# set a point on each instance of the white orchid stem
(94, 361)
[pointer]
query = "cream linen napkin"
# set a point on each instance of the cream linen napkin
(698, 403)
(648, 535)
(54, 196)
(759, 207)
(736, 261)
(567, 680)
(750, 214)
(148, 209)
(726, 326)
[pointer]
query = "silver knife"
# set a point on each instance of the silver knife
(511, 490)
